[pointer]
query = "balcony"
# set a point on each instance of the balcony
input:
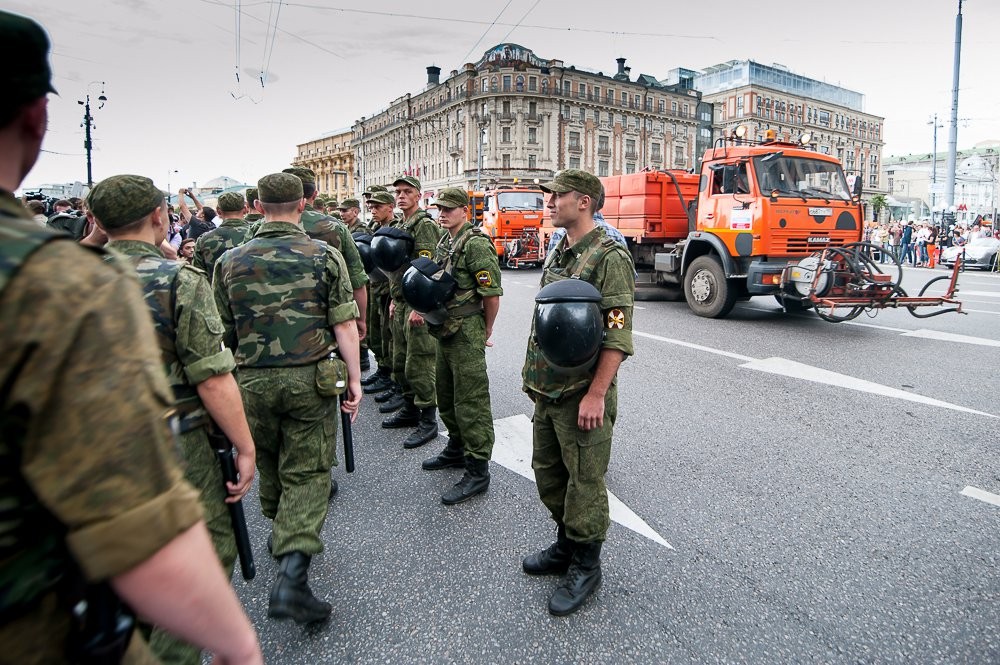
(575, 146)
(454, 150)
(657, 157)
(604, 151)
(631, 154)
(532, 117)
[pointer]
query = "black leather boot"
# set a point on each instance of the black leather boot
(475, 480)
(427, 429)
(391, 390)
(291, 597)
(333, 487)
(453, 455)
(581, 580)
(380, 375)
(394, 402)
(553, 560)
(407, 416)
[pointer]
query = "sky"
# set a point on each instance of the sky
(178, 113)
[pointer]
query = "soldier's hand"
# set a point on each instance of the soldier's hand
(245, 466)
(416, 320)
(489, 333)
(392, 308)
(591, 413)
(352, 401)
(362, 328)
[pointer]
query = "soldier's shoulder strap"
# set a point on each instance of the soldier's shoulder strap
(593, 256)
(19, 239)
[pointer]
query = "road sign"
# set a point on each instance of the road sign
(937, 188)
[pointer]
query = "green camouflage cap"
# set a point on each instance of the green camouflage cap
(123, 199)
(575, 180)
(24, 60)
(409, 180)
(382, 197)
(349, 203)
(251, 196)
(231, 202)
(336, 215)
(279, 188)
(375, 188)
(332, 202)
(302, 173)
(451, 197)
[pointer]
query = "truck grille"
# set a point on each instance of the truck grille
(805, 243)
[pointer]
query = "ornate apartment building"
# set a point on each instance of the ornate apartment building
(513, 115)
(331, 157)
(771, 97)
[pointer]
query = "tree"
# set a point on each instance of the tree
(878, 204)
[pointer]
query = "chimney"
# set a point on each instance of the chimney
(621, 65)
(433, 75)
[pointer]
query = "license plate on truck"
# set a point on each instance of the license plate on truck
(820, 212)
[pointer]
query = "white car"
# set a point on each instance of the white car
(978, 253)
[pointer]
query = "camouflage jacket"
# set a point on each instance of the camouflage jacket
(210, 246)
(279, 296)
(188, 327)
(597, 259)
(334, 233)
(426, 235)
(92, 471)
(471, 259)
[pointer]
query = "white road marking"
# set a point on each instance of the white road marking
(637, 307)
(512, 450)
(951, 337)
(696, 347)
(979, 311)
(988, 294)
(785, 367)
(872, 325)
(982, 495)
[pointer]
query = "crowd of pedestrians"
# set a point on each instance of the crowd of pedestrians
(917, 243)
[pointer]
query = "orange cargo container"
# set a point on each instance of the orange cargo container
(650, 207)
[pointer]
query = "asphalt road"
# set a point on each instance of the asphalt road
(807, 477)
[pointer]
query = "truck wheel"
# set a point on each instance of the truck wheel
(707, 290)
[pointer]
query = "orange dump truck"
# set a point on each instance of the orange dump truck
(739, 228)
(512, 216)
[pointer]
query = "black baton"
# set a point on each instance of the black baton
(345, 421)
(223, 448)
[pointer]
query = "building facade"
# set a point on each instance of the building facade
(515, 116)
(331, 157)
(744, 92)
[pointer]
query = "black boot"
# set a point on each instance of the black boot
(380, 375)
(581, 580)
(290, 594)
(407, 416)
(453, 455)
(391, 390)
(553, 560)
(333, 487)
(474, 481)
(366, 363)
(427, 429)
(393, 402)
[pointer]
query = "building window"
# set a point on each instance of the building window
(583, 114)
(506, 161)
(687, 110)
(661, 105)
(629, 167)
(532, 83)
(679, 161)
(597, 93)
(531, 161)
(624, 98)
(520, 83)
(574, 140)
(610, 96)
(574, 162)
(649, 104)
(630, 149)
(532, 135)
(583, 90)
(506, 83)
(603, 147)
(637, 102)
(545, 86)
(673, 107)
(505, 135)
(485, 85)
(655, 149)
(602, 169)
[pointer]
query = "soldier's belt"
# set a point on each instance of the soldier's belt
(468, 309)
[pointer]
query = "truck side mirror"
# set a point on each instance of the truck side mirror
(858, 184)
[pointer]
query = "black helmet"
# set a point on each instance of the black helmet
(391, 248)
(569, 327)
(364, 242)
(427, 288)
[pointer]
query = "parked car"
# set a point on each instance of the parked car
(979, 253)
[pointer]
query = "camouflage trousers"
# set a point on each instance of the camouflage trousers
(414, 356)
(295, 432)
(463, 388)
(570, 465)
(201, 469)
(376, 333)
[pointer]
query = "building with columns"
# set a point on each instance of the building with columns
(513, 115)
(331, 157)
(764, 97)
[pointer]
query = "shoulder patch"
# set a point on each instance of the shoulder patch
(424, 253)
(484, 278)
(616, 319)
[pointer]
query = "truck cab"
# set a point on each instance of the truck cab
(512, 216)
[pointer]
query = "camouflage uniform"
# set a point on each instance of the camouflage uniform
(93, 479)
(414, 351)
(379, 324)
(232, 232)
(279, 296)
(189, 334)
(335, 233)
(463, 386)
(570, 464)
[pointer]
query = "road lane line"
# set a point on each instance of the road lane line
(982, 495)
(696, 347)
(988, 294)
(872, 325)
(951, 337)
(512, 450)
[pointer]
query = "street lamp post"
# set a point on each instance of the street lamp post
(169, 191)
(481, 123)
(88, 125)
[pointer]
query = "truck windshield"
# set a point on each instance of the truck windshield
(801, 177)
(521, 200)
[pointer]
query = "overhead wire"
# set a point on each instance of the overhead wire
(519, 22)
(485, 32)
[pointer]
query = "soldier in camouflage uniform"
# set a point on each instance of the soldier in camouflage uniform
(334, 233)
(380, 205)
(89, 482)
(189, 333)
(232, 232)
(286, 304)
(463, 386)
(575, 412)
(414, 350)
(350, 211)
(252, 216)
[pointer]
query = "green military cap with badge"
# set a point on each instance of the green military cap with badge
(382, 197)
(121, 200)
(407, 180)
(302, 173)
(231, 202)
(451, 197)
(279, 188)
(349, 203)
(375, 188)
(575, 180)
(25, 74)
